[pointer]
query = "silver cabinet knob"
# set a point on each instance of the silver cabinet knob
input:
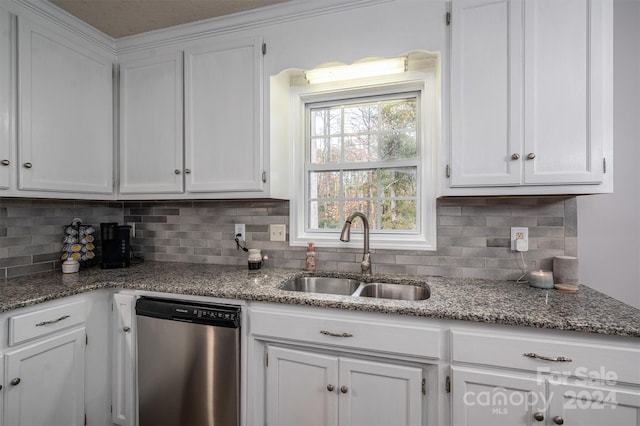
(187, 171)
(27, 165)
(176, 171)
(538, 417)
(344, 389)
(515, 156)
(5, 162)
(558, 420)
(531, 156)
(330, 388)
(15, 381)
(126, 329)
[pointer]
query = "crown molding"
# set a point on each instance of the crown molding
(279, 13)
(57, 16)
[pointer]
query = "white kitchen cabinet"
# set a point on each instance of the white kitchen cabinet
(340, 390)
(223, 117)
(123, 384)
(532, 378)
(45, 381)
(151, 142)
(531, 94)
(221, 151)
(358, 368)
(6, 95)
(65, 112)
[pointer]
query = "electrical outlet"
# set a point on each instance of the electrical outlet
(522, 235)
(239, 230)
(277, 232)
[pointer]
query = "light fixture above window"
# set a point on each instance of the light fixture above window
(355, 71)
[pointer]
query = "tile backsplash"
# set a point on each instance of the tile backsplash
(473, 235)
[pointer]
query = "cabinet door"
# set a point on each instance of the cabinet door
(123, 395)
(301, 388)
(6, 142)
(375, 393)
(565, 46)
(494, 398)
(151, 142)
(45, 382)
(486, 77)
(223, 119)
(66, 129)
(587, 405)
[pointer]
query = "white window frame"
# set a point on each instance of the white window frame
(424, 237)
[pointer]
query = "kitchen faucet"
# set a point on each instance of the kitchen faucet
(345, 236)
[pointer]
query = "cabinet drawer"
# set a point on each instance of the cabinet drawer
(399, 336)
(599, 361)
(45, 321)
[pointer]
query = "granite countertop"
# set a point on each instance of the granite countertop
(498, 302)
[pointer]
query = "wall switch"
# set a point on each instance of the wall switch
(519, 239)
(239, 230)
(277, 232)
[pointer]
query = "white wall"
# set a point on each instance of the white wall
(609, 225)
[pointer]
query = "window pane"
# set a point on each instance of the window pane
(325, 121)
(325, 150)
(360, 148)
(398, 145)
(368, 207)
(360, 118)
(324, 215)
(399, 114)
(399, 215)
(359, 184)
(399, 182)
(324, 184)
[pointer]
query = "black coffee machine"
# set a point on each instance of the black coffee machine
(116, 245)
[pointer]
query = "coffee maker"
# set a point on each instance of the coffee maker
(116, 245)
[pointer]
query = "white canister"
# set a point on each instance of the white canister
(565, 269)
(70, 266)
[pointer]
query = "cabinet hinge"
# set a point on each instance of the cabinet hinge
(86, 339)
(424, 386)
(264, 48)
(266, 358)
(264, 176)
(85, 419)
(111, 408)
(604, 166)
(448, 18)
(447, 171)
(447, 384)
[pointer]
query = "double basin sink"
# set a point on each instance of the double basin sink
(357, 288)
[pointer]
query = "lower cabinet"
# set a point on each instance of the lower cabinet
(123, 384)
(315, 388)
(44, 381)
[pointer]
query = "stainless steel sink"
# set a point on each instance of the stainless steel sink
(326, 285)
(393, 291)
(352, 287)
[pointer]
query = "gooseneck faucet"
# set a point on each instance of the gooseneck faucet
(345, 236)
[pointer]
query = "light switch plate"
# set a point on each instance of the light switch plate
(277, 232)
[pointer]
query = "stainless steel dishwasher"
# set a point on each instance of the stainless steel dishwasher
(188, 363)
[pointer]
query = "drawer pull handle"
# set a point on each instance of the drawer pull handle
(64, 317)
(547, 358)
(330, 388)
(330, 333)
(16, 381)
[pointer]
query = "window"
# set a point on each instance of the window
(362, 155)
(369, 147)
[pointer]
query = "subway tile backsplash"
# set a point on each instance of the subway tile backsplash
(473, 235)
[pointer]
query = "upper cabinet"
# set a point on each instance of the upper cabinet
(222, 150)
(151, 149)
(6, 137)
(65, 113)
(531, 96)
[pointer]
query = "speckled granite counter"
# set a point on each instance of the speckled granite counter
(499, 302)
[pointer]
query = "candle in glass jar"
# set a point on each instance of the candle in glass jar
(540, 279)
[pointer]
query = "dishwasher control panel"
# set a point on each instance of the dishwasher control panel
(176, 310)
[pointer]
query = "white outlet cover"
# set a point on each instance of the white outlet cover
(517, 230)
(277, 232)
(239, 229)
